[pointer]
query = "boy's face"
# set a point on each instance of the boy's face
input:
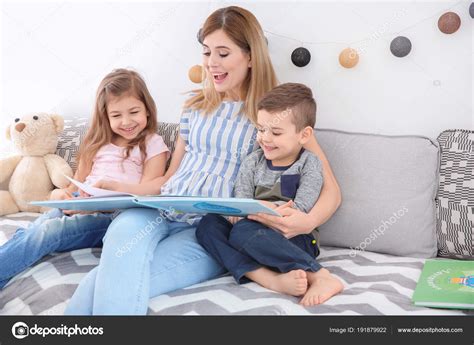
(278, 138)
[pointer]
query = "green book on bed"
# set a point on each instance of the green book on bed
(446, 284)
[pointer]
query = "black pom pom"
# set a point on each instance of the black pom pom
(301, 57)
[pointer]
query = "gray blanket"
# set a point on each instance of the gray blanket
(375, 284)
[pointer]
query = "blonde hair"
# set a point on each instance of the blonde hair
(119, 82)
(244, 30)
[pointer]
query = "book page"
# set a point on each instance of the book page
(94, 191)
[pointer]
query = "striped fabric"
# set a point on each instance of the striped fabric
(455, 202)
(216, 144)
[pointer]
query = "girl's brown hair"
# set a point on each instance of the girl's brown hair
(120, 82)
(244, 30)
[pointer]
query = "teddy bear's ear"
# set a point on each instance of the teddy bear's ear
(58, 122)
(7, 134)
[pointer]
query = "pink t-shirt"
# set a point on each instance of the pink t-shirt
(108, 163)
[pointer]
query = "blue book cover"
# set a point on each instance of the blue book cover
(181, 204)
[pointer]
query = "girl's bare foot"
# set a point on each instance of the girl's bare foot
(322, 286)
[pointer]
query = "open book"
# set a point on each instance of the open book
(446, 284)
(106, 200)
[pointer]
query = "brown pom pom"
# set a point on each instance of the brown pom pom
(348, 58)
(195, 74)
(449, 23)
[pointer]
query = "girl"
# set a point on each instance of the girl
(120, 149)
(216, 133)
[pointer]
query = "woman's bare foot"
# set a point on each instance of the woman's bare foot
(322, 286)
(294, 283)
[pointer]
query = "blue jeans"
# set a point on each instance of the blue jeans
(144, 255)
(51, 232)
(249, 245)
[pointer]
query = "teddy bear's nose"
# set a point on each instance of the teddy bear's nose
(20, 127)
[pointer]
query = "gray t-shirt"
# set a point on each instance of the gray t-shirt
(300, 181)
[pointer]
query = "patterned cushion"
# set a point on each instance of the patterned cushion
(76, 128)
(70, 139)
(455, 200)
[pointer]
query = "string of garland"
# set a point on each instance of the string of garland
(400, 46)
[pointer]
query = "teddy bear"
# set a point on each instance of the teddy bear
(37, 170)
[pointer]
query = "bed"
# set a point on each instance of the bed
(375, 284)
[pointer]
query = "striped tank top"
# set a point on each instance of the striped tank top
(216, 144)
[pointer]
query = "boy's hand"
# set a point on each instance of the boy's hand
(289, 204)
(234, 219)
(268, 204)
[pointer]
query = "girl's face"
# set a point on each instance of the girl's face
(226, 64)
(127, 117)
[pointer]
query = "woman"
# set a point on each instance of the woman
(215, 131)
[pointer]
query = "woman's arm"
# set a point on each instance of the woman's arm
(295, 222)
(330, 198)
(178, 155)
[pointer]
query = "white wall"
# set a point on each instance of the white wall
(55, 54)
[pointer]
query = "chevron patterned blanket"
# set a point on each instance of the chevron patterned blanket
(375, 284)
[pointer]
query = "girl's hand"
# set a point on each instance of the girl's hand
(107, 184)
(292, 223)
(83, 194)
(60, 194)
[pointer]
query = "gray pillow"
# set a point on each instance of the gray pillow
(388, 186)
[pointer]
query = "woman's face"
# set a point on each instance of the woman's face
(226, 64)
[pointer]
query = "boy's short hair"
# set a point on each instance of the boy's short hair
(295, 97)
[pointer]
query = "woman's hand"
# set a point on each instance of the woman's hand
(160, 181)
(292, 223)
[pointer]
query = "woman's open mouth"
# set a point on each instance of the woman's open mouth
(219, 78)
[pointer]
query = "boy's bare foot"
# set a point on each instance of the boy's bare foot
(294, 283)
(322, 286)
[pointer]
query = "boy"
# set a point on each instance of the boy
(280, 171)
